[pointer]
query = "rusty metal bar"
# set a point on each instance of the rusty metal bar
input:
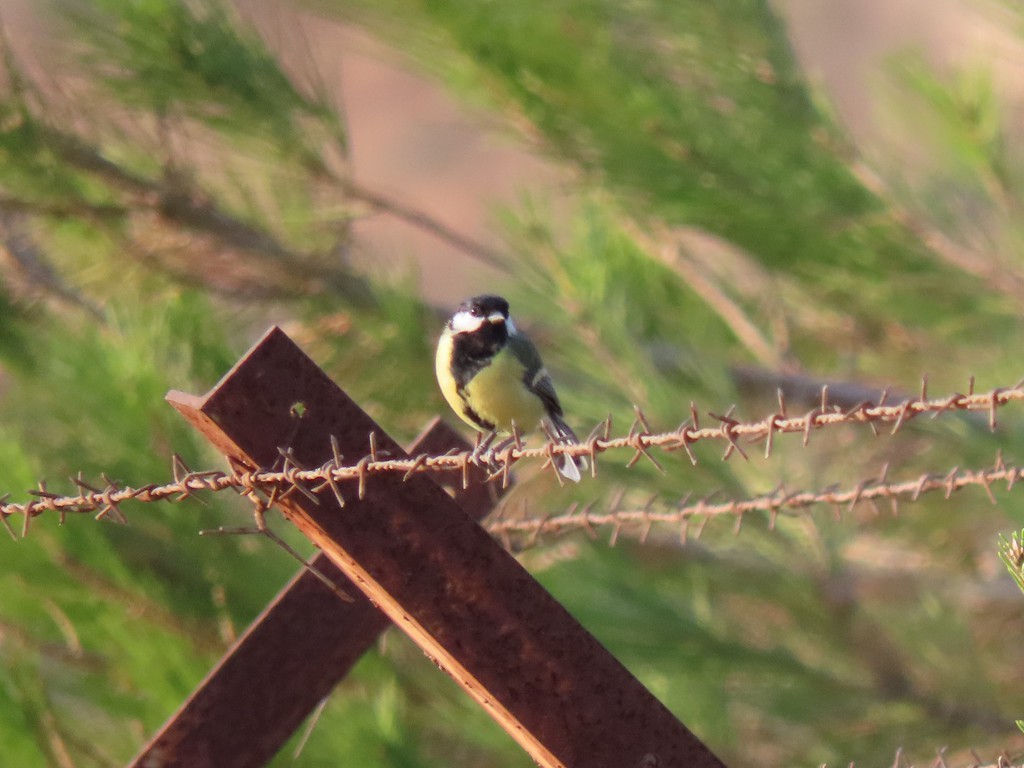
(441, 578)
(291, 656)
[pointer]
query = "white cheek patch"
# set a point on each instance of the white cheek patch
(465, 322)
(512, 330)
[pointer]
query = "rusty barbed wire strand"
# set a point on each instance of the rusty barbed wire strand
(682, 513)
(1003, 760)
(106, 500)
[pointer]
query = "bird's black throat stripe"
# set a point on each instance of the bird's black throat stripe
(476, 418)
(471, 353)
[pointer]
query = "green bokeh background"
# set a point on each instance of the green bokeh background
(135, 269)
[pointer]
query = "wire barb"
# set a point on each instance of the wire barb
(6, 522)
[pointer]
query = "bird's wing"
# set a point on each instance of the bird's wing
(539, 382)
(535, 376)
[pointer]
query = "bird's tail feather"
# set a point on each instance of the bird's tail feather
(570, 466)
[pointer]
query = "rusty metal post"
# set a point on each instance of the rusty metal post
(442, 579)
(290, 657)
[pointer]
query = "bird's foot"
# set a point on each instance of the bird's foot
(481, 453)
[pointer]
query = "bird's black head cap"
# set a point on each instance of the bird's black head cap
(484, 305)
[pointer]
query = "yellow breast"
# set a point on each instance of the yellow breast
(499, 395)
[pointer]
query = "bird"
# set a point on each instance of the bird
(493, 377)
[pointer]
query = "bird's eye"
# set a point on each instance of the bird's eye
(474, 311)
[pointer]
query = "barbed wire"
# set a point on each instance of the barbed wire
(105, 501)
(687, 511)
(1003, 760)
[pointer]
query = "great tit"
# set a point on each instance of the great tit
(492, 376)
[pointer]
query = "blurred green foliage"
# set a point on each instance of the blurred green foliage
(719, 221)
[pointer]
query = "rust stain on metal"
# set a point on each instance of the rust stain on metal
(438, 575)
